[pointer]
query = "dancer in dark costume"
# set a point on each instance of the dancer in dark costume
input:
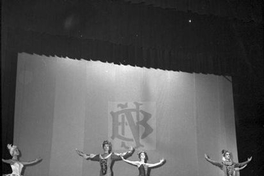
(16, 165)
(142, 165)
(107, 159)
(228, 166)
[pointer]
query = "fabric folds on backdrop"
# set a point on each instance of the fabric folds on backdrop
(63, 104)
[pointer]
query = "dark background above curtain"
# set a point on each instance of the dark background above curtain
(233, 9)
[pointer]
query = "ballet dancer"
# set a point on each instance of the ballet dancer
(107, 159)
(228, 166)
(143, 166)
(16, 165)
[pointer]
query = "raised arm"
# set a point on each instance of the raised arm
(133, 163)
(86, 156)
(160, 163)
(215, 163)
(243, 163)
(31, 162)
(125, 155)
(128, 153)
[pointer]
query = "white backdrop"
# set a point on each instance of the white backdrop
(63, 104)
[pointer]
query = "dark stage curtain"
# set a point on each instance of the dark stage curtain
(121, 32)
(225, 63)
(8, 86)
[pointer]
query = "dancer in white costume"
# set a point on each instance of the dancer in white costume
(15, 164)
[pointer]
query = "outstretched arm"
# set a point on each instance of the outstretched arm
(125, 155)
(243, 163)
(31, 162)
(7, 161)
(133, 163)
(213, 162)
(160, 163)
(85, 156)
(240, 168)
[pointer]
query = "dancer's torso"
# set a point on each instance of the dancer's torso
(143, 170)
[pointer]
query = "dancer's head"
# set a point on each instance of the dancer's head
(107, 146)
(13, 150)
(143, 156)
(227, 156)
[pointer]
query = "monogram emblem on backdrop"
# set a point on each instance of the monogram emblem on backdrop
(132, 123)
